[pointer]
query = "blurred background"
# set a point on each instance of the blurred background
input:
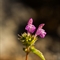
(14, 15)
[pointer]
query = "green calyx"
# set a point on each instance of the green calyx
(27, 40)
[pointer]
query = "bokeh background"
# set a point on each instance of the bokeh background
(14, 15)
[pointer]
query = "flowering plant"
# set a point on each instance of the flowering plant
(29, 40)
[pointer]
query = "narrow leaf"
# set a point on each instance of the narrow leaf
(37, 52)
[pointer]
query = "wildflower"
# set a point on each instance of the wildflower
(41, 32)
(28, 40)
(30, 27)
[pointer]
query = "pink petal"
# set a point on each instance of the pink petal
(30, 21)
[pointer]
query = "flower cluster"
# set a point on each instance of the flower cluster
(27, 38)
(31, 28)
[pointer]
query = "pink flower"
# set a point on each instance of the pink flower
(41, 32)
(30, 27)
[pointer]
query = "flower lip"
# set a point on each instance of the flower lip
(41, 25)
(42, 33)
(30, 21)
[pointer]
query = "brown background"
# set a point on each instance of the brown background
(14, 15)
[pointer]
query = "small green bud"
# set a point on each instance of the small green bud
(29, 40)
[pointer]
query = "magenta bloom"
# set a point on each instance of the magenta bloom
(30, 27)
(41, 32)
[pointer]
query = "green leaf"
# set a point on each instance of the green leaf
(37, 52)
